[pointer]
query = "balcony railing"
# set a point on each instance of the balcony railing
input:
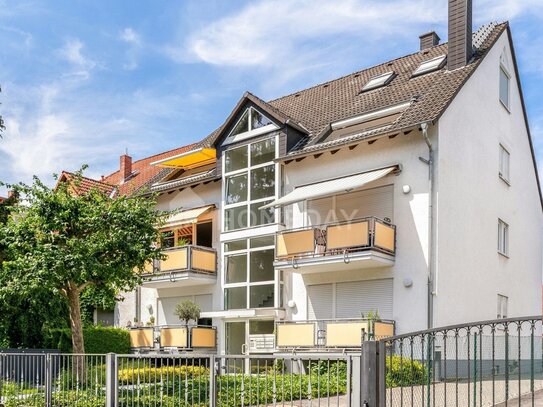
(339, 333)
(196, 259)
(336, 238)
(173, 337)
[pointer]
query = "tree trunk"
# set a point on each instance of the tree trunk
(76, 325)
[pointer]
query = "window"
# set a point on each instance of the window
(503, 238)
(249, 274)
(249, 184)
(504, 164)
(504, 87)
(502, 306)
(431, 65)
(378, 80)
(251, 123)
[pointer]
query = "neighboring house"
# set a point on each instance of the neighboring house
(2, 199)
(409, 188)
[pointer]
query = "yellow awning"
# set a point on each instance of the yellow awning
(190, 159)
(187, 216)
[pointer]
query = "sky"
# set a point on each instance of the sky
(86, 81)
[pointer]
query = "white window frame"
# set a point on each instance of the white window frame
(503, 238)
(503, 304)
(250, 133)
(247, 170)
(430, 65)
(378, 81)
(247, 283)
(507, 103)
(505, 165)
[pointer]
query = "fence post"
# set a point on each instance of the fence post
(369, 375)
(212, 382)
(48, 380)
(111, 380)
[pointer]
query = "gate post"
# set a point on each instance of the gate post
(212, 382)
(111, 380)
(48, 380)
(369, 374)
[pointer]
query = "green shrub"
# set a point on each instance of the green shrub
(401, 371)
(98, 339)
(148, 374)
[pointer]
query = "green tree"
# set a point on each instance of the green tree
(65, 242)
(187, 311)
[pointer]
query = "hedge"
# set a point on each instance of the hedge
(402, 371)
(98, 339)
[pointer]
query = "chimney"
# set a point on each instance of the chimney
(429, 40)
(460, 47)
(126, 166)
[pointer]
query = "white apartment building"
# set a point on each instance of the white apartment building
(409, 189)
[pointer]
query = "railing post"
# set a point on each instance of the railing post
(212, 382)
(111, 380)
(48, 380)
(369, 375)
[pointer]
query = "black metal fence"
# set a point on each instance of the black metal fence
(481, 364)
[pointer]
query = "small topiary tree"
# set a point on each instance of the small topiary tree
(187, 310)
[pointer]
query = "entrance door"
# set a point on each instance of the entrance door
(235, 338)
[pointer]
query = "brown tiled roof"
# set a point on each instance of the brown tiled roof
(142, 172)
(2, 199)
(81, 185)
(315, 108)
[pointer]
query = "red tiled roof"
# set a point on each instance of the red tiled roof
(2, 199)
(81, 184)
(142, 171)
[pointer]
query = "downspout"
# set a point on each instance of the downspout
(430, 162)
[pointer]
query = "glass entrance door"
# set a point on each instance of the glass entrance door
(235, 337)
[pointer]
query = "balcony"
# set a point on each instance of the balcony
(331, 334)
(183, 266)
(354, 244)
(164, 338)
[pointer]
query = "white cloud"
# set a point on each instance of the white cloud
(72, 53)
(130, 36)
(265, 31)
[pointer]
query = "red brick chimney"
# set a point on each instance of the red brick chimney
(126, 166)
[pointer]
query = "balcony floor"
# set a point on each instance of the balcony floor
(179, 279)
(353, 261)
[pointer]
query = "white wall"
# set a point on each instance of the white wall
(471, 198)
(410, 217)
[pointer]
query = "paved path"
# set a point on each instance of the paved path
(526, 400)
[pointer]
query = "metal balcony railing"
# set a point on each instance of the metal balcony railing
(350, 236)
(196, 259)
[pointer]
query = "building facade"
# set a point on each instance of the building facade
(405, 193)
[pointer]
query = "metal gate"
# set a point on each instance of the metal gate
(490, 363)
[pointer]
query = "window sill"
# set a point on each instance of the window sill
(505, 180)
(503, 254)
(505, 107)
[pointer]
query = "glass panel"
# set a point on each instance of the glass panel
(262, 265)
(243, 124)
(235, 337)
(262, 296)
(235, 245)
(261, 216)
(236, 269)
(167, 239)
(236, 189)
(504, 87)
(262, 241)
(263, 151)
(235, 159)
(261, 327)
(263, 182)
(235, 298)
(258, 120)
(235, 218)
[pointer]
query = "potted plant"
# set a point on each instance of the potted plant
(187, 311)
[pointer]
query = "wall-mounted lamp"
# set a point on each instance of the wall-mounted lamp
(291, 303)
(406, 189)
(407, 282)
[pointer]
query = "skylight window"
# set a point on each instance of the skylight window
(431, 65)
(378, 81)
